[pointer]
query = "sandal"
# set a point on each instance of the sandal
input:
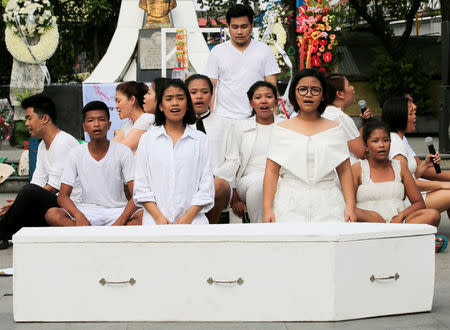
(444, 243)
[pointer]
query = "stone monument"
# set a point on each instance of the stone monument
(149, 44)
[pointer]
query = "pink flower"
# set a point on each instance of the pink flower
(327, 57)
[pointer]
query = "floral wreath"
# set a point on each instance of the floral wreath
(30, 20)
(274, 18)
(42, 51)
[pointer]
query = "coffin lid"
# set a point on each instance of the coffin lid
(276, 232)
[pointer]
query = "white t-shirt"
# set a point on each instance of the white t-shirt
(144, 122)
(351, 131)
(50, 163)
(235, 72)
(398, 147)
(102, 182)
(257, 160)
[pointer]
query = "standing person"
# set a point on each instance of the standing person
(400, 116)
(341, 95)
(235, 65)
(253, 136)
(221, 141)
(381, 184)
(306, 152)
(33, 201)
(174, 179)
(129, 103)
(102, 167)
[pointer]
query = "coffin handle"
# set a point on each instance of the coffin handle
(372, 278)
(131, 281)
(211, 281)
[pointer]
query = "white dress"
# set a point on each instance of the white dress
(306, 190)
(385, 198)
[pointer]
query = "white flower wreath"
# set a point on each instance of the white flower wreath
(42, 51)
(280, 37)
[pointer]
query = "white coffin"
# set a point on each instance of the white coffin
(279, 272)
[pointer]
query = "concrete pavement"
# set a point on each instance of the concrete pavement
(439, 318)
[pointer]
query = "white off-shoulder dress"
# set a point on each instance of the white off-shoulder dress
(385, 198)
(307, 191)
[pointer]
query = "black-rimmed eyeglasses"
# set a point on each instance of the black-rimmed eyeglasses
(303, 90)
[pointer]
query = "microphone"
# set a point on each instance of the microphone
(431, 150)
(362, 104)
(48, 123)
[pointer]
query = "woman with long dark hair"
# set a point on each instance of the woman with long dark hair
(173, 178)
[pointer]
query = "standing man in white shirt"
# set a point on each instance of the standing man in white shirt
(221, 140)
(33, 201)
(237, 64)
(102, 167)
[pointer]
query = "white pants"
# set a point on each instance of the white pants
(250, 191)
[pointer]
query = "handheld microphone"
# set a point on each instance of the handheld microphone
(362, 104)
(431, 150)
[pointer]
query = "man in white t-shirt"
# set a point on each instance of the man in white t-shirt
(32, 202)
(102, 167)
(235, 65)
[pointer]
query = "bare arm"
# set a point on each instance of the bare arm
(273, 80)
(190, 214)
(66, 203)
(156, 214)
(132, 139)
(50, 188)
(344, 172)
(213, 98)
(357, 147)
(129, 210)
(413, 194)
(269, 188)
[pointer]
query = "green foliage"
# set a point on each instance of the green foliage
(407, 74)
(217, 9)
(85, 27)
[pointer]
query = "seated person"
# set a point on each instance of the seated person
(174, 179)
(253, 136)
(33, 201)
(129, 99)
(102, 167)
(399, 113)
(223, 148)
(380, 185)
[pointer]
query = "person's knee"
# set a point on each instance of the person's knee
(222, 188)
(434, 216)
(52, 215)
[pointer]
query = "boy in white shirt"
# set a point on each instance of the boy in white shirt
(221, 140)
(34, 199)
(102, 167)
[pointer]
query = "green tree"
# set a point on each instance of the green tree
(378, 15)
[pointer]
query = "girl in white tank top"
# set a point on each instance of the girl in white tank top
(381, 184)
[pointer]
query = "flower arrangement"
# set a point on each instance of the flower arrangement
(317, 40)
(35, 16)
(6, 119)
(38, 26)
(276, 17)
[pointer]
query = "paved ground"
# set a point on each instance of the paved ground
(439, 318)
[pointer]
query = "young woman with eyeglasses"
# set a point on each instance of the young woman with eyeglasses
(305, 153)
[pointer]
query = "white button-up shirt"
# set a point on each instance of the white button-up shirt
(222, 146)
(174, 177)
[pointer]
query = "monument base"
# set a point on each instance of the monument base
(149, 54)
